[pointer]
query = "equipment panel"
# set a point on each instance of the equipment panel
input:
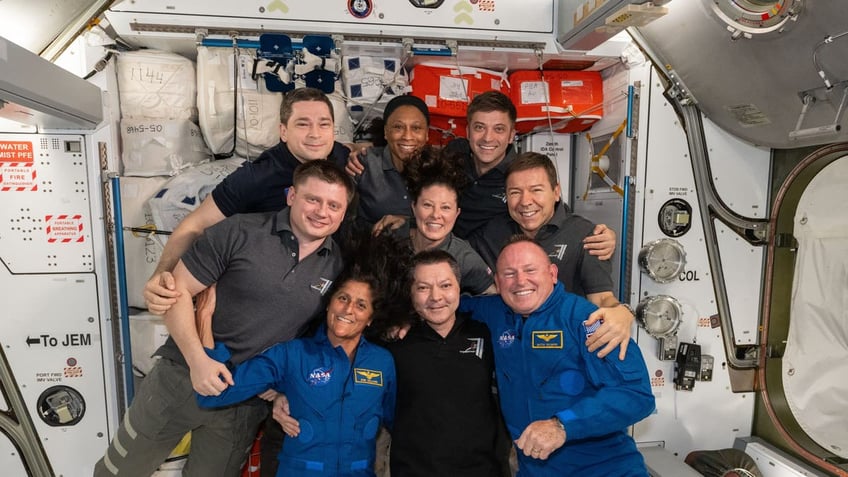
(52, 341)
(696, 407)
(46, 215)
(525, 16)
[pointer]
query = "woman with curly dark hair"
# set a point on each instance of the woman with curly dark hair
(435, 181)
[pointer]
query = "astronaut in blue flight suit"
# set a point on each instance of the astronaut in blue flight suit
(566, 409)
(341, 386)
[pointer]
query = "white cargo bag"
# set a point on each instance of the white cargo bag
(156, 84)
(184, 192)
(371, 82)
(257, 124)
(343, 125)
(141, 250)
(147, 334)
(161, 147)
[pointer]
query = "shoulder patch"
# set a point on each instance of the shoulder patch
(547, 339)
(367, 376)
(591, 329)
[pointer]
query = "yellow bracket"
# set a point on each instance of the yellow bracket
(595, 164)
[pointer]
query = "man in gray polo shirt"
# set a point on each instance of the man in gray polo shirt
(536, 210)
(272, 270)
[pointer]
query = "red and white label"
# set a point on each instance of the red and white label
(658, 379)
(64, 228)
(73, 372)
(17, 171)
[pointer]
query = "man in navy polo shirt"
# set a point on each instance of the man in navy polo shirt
(306, 134)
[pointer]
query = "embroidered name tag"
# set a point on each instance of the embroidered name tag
(367, 376)
(547, 339)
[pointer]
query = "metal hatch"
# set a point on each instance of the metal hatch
(749, 75)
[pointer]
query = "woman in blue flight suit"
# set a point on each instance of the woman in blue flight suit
(341, 386)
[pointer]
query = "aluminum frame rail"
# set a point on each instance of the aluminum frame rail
(710, 205)
(17, 425)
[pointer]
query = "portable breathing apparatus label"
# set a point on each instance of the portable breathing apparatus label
(64, 228)
(17, 171)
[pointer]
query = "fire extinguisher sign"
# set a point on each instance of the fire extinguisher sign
(17, 170)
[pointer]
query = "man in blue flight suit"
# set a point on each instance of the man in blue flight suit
(566, 409)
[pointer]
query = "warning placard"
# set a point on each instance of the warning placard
(17, 171)
(16, 151)
(64, 228)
